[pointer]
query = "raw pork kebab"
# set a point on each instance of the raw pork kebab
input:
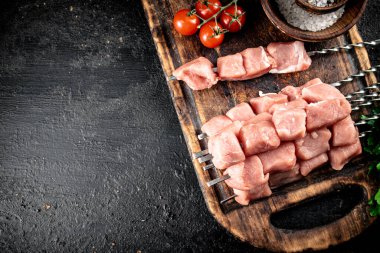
(278, 58)
(278, 138)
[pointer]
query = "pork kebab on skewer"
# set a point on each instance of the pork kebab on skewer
(276, 58)
(287, 140)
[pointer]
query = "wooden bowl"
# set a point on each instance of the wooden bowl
(320, 10)
(353, 11)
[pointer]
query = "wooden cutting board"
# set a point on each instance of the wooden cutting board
(253, 223)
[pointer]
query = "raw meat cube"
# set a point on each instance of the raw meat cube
(289, 57)
(225, 149)
(340, 156)
(231, 67)
(279, 160)
(294, 93)
(344, 132)
(259, 118)
(233, 128)
(262, 104)
(242, 112)
(326, 113)
(290, 124)
(310, 83)
(246, 175)
(298, 103)
(320, 92)
(313, 144)
(307, 166)
(282, 178)
(258, 137)
(215, 125)
(256, 62)
(244, 197)
(197, 74)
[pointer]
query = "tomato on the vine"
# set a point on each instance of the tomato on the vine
(185, 22)
(233, 18)
(207, 8)
(211, 34)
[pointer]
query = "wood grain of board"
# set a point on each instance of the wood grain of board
(253, 223)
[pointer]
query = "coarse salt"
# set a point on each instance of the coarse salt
(321, 3)
(298, 17)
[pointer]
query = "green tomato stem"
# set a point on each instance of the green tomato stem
(216, 14)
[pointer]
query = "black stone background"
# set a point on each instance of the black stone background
(92, 157)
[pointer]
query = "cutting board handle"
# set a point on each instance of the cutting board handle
(320, 236)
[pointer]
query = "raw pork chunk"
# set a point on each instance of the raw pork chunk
(310, 83)
(259, 118)
(215, 125)
(197, 74)
(326, 113)
(289, 57)
(246, 175)
(307, 166)
(281, 178)
(344, 132)
(233, 128)
(294, 93)
(298, 103)
(279, 160)
(225, 149)
(258, 137)
(313, 144)
(231, 67)
(340, 156)
(320, 92)
(290, 124)
(262, 104)
(242, 112)
(244, 197)
(256, 62)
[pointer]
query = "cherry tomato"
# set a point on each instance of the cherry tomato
(233, 18)
(207, 8)
(211, 34)
(185, 22)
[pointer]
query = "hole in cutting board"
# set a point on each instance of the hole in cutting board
(320, 210)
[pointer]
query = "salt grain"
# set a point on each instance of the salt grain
(298, 17)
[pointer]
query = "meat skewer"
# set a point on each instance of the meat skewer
(342, 150)
(277, 58)
(355, 97)
(204, 156)
(226, 176)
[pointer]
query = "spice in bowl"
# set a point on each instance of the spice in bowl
(321, 3)
(298, 17)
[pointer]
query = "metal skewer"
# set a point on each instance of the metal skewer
(218, 180)
(200, 153)
(209, 166)
(345, 47)
(362, 73)
(227, 199)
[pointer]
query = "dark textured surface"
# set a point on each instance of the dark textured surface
(91, 154)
